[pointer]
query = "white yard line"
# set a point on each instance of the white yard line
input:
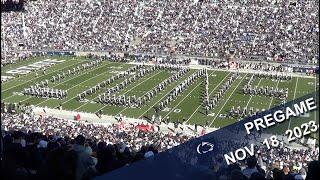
(125, 92)
(34, 79)
(172, 109)
(294, 96)
(77, 84)
(209, 96)
(252, 95)
(295, 89)
(227, 100)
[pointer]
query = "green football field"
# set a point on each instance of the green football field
(187, 106)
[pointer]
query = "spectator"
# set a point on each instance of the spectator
(85, 162)
(286, 173)
(313, 170)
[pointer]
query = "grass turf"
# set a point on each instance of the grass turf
(187, 106)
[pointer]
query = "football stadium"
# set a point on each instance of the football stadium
(188, 106)
(105, 84)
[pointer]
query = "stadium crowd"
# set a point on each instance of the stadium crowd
(46, 147)
(280, 30)
(105, 147)
(278, 163)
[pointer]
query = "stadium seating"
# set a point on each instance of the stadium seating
(199, 28)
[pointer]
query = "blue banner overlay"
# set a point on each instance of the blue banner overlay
(212, 155)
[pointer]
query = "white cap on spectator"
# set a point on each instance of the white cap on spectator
(148, 154)
(43, 144)
(122, 148)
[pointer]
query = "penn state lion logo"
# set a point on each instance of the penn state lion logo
(204, 147)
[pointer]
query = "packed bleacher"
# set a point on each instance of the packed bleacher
(279, 30)
(104, 147)
(40, 147)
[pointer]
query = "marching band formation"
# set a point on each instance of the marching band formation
(141, 73)
(42, 90)
(46, 92)
(242, 112)
(76, 70)
(103, 84)
(136, 72)
(133, 101)
(266, 68)
(181, 88)
(274, 76)
(210, 103)
(267, 91)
